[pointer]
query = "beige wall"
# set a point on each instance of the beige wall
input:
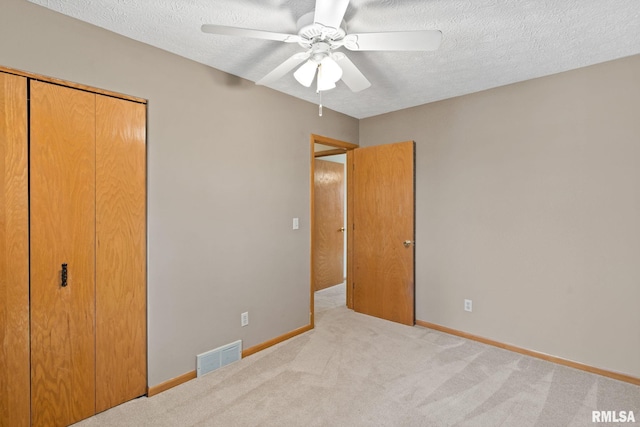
(528, 203)
(527, 198)
(228, 170)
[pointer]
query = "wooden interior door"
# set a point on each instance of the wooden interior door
(383, 235)
(62, 198)
(121, 367)
(14, 253)
(328, 227)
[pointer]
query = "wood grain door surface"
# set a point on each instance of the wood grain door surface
(62, 201)
(383, 219)
(14, 253)
(328, 230)
(121, 373)
(72, 191)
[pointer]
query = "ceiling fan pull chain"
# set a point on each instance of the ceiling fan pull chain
(320, 106)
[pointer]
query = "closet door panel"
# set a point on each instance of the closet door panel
(121, 339)
(14, 253)
(62, 199)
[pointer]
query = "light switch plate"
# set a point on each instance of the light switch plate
(296, 223)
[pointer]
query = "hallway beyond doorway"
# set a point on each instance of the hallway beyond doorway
(329, 298)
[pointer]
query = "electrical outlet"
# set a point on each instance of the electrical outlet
(244, 319)
(468, 305)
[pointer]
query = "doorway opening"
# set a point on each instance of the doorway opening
(331, 162)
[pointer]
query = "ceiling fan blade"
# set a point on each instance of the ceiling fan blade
(402, 40)
(284, 68)
(254, 34)
(351, 76)
(330, 12)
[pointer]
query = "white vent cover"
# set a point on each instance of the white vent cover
(218, 357)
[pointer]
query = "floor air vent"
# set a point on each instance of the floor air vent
(218, 357)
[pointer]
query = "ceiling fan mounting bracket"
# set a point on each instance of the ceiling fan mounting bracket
(320, 50)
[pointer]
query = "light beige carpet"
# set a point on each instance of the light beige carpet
(355, 370)
(329, 298)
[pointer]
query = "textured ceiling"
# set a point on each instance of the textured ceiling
(486, 43)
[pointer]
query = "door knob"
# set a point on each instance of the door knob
(341, 229)
(407, 243)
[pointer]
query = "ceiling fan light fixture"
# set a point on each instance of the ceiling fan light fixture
(331, 69)
(329, 72)
(305, 74)
(324, 83)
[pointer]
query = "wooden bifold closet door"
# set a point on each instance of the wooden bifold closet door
(72, 252)
(88, 217)
(62, 172)
(14, 253)
(121, 297)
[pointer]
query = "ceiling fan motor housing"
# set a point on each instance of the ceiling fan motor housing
(312, 33)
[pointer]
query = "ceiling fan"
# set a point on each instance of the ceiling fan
(321, 33)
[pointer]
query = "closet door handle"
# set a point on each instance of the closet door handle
(63, 276)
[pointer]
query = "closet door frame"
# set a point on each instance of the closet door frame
(67, 83)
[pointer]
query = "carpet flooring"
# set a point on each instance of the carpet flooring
(356, 370)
